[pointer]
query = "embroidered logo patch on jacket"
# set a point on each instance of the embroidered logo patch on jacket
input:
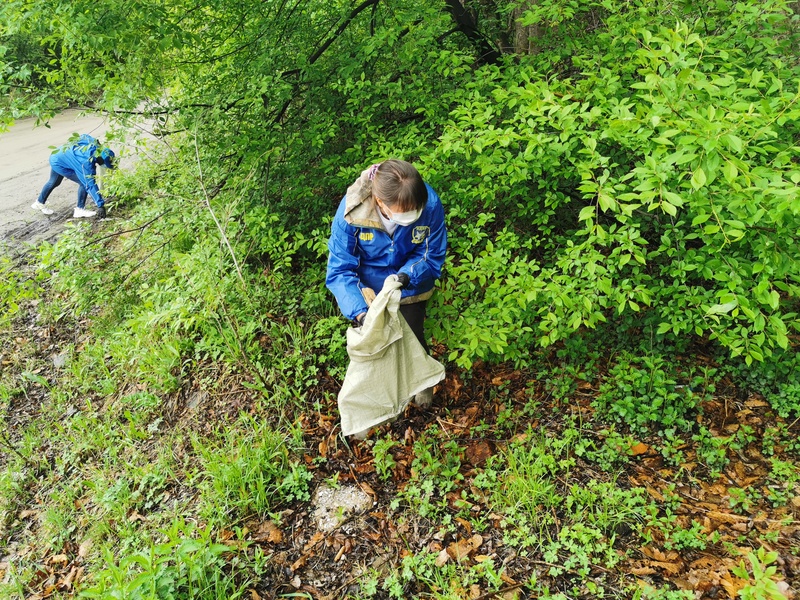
(419, 234)
(366, 236)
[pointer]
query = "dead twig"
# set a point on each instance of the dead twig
(214, 216)
(118, 233)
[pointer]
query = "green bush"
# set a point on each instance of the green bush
(636, 176)
(640, 392)
(651, 187)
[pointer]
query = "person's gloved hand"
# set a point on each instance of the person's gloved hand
(101, 212)
(359, 320)
(403, 279)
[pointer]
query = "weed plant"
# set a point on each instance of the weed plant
(384, 461)
(451, 581)
(778, 380)
(15, 287)
(759, 578)
(435, 472)
(641, 391)
(187, 565)
(248, 471)
(526, 492)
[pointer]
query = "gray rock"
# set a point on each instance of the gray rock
(333, 506)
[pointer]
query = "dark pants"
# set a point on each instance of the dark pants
(414, 314)
(55, 181)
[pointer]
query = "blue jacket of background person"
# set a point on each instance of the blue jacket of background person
(362, 254)
(76, 162)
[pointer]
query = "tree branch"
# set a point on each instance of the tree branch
(339, 30)
(467, 23)
(117, 233)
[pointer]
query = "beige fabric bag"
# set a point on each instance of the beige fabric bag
(388, 365)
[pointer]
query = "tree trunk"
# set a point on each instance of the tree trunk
(524, 37)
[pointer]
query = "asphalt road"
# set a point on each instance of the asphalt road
(24, 169)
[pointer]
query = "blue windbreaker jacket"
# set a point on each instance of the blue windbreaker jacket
(75, 161)
(362, 254)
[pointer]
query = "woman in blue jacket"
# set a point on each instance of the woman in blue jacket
(390, 222)
(78, 162)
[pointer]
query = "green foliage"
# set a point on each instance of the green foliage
(778, 380)
(712, 451)
(529, 493)
(680, 537)
(633, 177)
(634, 173)
(577, 548)
(384, 461)
(783, 483)
(610, 454)
(651, 593)
(187, 565)
(15, 287)
(761, 584)
(249, 471)
(450, 581)
(14, 481)
(528, 486)
(640, 392)
(654, 188)
(435, 471)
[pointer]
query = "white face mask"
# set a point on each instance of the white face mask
(406, 218)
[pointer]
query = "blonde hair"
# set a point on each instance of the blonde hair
(398, 184)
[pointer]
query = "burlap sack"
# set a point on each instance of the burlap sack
(388, 365)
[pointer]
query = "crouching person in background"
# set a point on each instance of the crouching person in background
(78, 162)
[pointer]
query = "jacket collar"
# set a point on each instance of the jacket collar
(360, 209)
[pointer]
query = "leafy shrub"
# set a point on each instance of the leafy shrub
(640, 392)
(652, 187)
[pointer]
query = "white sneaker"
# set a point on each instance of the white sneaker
(39, 206)
(425, 398)
(360, 435)
(82, 213)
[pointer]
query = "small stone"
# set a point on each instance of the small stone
(59, 360)
(333, 506)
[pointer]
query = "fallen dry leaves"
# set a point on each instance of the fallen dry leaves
(300, 558)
